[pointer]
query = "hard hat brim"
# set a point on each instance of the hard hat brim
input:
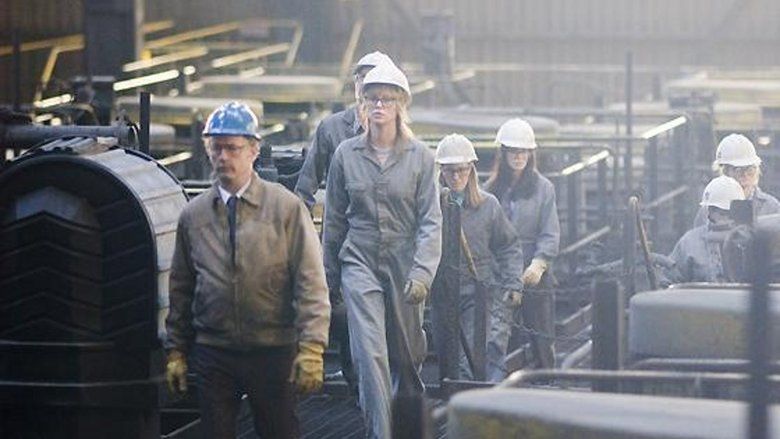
(740, 162)
(455, 160)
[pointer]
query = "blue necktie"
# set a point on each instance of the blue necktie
(231, 207)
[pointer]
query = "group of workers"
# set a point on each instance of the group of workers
(699, 255)
(254, 296)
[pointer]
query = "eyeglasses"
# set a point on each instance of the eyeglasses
(228, 149)
(375, 100)
(460, 171)
(515, 151)
(740, 171)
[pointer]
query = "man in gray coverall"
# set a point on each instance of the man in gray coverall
(333, 130)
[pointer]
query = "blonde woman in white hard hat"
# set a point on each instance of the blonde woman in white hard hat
(697, 255)
(528, 199)
(736, 158)
(495, 249)
(382, 243)
(333, 130)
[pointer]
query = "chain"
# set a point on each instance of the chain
(517, 322)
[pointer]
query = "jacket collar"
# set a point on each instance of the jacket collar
(252, 195)
(351, 120)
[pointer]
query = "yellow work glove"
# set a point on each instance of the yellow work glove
(415, 292)
(307, 369)
(513, 298)
(176, 372)
(533, 274)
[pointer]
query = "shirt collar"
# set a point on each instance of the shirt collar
(225, 195)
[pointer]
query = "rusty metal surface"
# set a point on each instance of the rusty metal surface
(274, 88)
(179, 110)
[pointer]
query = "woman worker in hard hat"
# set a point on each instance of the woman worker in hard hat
(382, 243)
(697, 255)
(736, 157)
(528, 199)
(490, 247)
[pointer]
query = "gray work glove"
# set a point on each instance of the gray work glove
(415, 292)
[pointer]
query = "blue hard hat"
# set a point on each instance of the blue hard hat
(232, 119)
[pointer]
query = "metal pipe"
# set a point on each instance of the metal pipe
(17, 70)
(601, 172)
(27, 136)
(524, 376)
(629, 246)
(652, 164)
(628, 159)
(719, 365)
(349, 51)
(759, 335)
(144, 110)
(295, 44)
(585, 240)
(672, 194)
(578, 355)
(651, 275)
(608, 328)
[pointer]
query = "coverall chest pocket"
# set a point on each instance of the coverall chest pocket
(358, 194)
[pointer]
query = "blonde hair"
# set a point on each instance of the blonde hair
(402, 119)
(473, 197)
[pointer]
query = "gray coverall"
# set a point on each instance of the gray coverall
(382, 227)
(498, 259)
(763, 204)
(698, 254)
(333, 130)
(536, 222)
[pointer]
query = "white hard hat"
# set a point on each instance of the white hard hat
(455, 148)
(721, 191)
(372, 59)
(387, 73)
(516, 133)
(736, 150)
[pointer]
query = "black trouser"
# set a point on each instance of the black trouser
(538, 315)
(262, 373)
(340, 332)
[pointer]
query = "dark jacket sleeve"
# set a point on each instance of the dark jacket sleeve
(181, 291)
(334, 228)
(310, 291)
(314, 166)
(429, 223)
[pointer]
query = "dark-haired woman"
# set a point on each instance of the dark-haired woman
(528, 199)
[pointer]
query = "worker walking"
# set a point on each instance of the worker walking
(698, 254)
(528, 199)
(248, 299)
(382, 242)
(333, 130)
(736, 158)
(492, 246)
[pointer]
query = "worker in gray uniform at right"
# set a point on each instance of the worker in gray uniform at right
(528, 199)
(333, 130)
(736, 157)
(698, 254)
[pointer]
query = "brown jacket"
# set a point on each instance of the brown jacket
(275, 294)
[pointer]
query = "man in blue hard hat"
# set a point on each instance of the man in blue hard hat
(249, 305)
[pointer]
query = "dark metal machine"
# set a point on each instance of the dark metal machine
(86, 238)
